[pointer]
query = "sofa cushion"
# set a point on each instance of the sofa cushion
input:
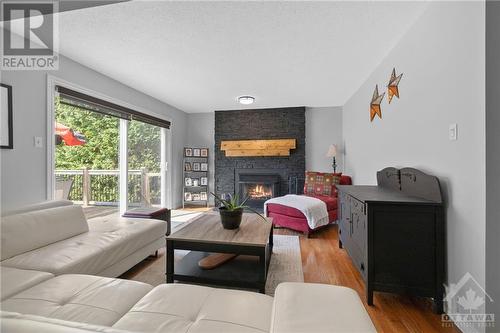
(80, 298)
(29, 231)
(15, 280)
(188, 308)
(94, 251)
(309, 307)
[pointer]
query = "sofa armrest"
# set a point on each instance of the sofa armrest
(37, 206)
(309, 307)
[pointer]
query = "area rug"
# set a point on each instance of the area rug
(285, 266)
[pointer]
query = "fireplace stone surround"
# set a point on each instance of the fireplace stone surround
(255, 124)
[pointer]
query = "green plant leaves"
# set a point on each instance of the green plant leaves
(232, 204)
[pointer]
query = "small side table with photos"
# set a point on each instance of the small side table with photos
(195, 177)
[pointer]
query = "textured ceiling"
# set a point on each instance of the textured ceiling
(199, 56)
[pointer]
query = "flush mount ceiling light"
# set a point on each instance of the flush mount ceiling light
(245, 100)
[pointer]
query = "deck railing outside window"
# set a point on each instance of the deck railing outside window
(100, 187)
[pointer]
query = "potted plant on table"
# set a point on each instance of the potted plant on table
(231, 211)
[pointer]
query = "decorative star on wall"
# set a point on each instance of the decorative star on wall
(392, 87)
(375, 104)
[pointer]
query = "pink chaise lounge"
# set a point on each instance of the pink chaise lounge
(318, 185)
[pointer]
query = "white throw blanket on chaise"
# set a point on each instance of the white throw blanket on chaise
(313, 209)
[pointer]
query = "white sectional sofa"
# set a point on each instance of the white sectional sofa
(55, 237)
(43, 246)
(83, 303)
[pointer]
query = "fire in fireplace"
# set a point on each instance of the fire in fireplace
(258, 186)
(259, 191)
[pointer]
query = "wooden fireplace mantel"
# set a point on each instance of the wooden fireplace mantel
(247, 148)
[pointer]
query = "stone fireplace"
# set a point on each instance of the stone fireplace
(259, 176)
(257, 185)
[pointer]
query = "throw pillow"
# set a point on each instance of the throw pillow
(321, 183)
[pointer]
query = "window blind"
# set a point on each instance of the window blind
(87, 102)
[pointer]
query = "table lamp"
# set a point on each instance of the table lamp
(332, 152)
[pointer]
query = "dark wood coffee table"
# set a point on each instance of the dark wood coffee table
(252, 241)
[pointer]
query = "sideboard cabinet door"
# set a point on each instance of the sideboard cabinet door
(344, 219)
(358, 235)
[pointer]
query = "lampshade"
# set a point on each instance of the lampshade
(332, 151)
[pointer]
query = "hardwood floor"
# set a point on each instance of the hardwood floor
(324, 262)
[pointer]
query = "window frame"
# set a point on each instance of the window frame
(166, 137)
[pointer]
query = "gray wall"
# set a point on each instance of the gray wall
(443, 83)
(24, 169)
(323, 128)
(493, 158)
(201, 133)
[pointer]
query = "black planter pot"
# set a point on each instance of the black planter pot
(231, 219)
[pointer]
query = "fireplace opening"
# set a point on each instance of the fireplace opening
(258, 187)
(258, 191)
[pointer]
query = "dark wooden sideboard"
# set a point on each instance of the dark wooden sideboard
(395, 233)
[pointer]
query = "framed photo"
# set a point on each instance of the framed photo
(188, 152)
(196, 182)
(187, 196)
(204, 166)
(196, 152)
(203, 195)
(6, 134)
(204, 152)
(196, 197)
(188, 181)
(204, 181)
(187, 166)
(196, 166)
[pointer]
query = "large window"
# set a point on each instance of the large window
(107, 156)
(87, 156)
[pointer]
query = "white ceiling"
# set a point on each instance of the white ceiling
(199, 56)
